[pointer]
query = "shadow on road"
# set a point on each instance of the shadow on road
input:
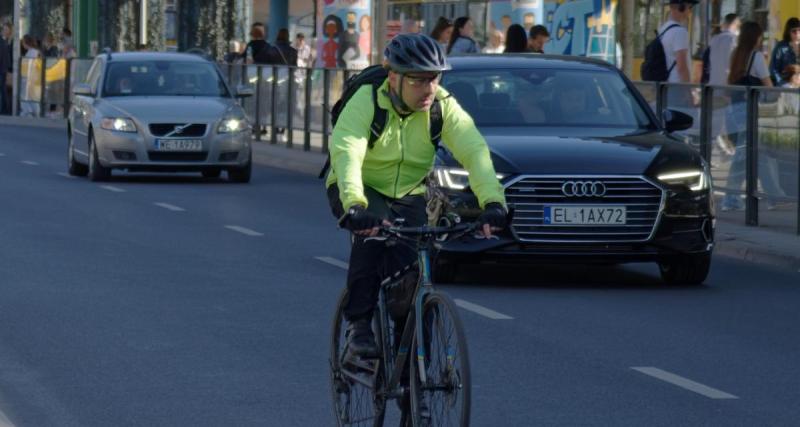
(568, 276)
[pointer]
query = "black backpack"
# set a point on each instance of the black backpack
(654, 68)
(374, 76)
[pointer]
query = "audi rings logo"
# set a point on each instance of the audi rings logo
(583, 189)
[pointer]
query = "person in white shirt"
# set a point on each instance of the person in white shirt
(676, 40)
(720, 48)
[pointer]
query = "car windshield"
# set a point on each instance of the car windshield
(163, 78)
(546, 97)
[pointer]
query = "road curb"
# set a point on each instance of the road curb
(731, 247)
(33, 122)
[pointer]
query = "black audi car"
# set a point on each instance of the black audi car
(593, 175)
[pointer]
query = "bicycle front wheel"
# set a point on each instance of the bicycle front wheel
(355, 383)
(444, 398)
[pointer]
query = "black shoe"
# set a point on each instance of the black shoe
(360, 339)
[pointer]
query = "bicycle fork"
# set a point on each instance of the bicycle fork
(424, 262)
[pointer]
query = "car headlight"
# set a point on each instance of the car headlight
(118, 124)
(696, 180)
(455, 178)
(231, 125)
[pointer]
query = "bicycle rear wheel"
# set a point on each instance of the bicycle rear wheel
(354, 382)
(444, 399)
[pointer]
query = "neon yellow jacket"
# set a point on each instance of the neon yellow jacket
(401, 158)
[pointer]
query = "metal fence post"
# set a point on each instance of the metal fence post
(307, 114)
(751, 170)
(660, 89)
(67, 88)
(706, 108)
(20, 89)
(798, 188)
(326, 101)
(42, 85)
(258, 102)
(273, 135)
(290, 109)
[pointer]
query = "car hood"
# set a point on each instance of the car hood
(605, 153)
(183, 109)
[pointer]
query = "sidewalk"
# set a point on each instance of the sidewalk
(734, 239)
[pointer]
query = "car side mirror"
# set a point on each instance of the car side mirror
(243, 91)
(676, 120)
(82, 89)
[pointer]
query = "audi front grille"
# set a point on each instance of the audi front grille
(529, 194)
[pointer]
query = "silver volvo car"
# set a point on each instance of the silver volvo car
(163, 112)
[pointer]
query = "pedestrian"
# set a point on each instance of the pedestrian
(29, 104)
(496, 42)
(461, 40)
(257, 50)
(516, 39)
(720, 48)
(789, 103)
(716, 67)
(67, 44)
(786, 52)
(303, 51)
(283, 54)
(537, 38)
(748, 68)
(442, 32)
(674, 37)
(5, 67)
(49, 48)
(234, 55)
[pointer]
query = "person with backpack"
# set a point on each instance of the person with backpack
(461, 40)
(720, 48)
(748, 68)
(387, 127)
(666, 59)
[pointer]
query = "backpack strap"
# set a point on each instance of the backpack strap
(436, 123)
(378, 119)
(658, 36)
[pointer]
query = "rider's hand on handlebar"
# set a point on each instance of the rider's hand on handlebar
(492, 219)
(363, 222)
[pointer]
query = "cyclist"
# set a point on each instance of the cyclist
(378, 184)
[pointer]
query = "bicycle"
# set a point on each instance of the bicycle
(439, 377)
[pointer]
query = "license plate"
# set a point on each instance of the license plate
(178, 145)
(584, 215)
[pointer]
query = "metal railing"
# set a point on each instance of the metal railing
(749, 135)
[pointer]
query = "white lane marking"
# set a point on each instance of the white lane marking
(170, 207)
(65, 175)
(29, 163)
(333, 261)
(112, 188)
(243, 230)
(4, 421)
(481, 310)
(684, 383)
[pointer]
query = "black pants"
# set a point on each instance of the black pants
(372, 261)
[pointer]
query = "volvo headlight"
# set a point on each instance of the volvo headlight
(696, 180)
(231, 125)
(455, 178)
(118, 124)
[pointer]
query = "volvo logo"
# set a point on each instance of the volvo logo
(583, 189)
(178, 129)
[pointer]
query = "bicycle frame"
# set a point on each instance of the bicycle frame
(398, 361)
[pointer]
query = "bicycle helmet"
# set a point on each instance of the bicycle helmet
(415, 52)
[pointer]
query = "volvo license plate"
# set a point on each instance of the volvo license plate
(584, 215)
(178, 145)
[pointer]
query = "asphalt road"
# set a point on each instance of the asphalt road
(175, 300)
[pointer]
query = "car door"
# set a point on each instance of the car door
(83, 110)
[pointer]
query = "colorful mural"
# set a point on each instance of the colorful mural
(582, 27)
(345, 33)
(503, 13)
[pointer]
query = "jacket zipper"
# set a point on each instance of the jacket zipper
(402, 153)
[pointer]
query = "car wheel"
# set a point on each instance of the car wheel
(211, 173)
(685, 269)
(242, 174)
(73, 167)
(97, 172)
